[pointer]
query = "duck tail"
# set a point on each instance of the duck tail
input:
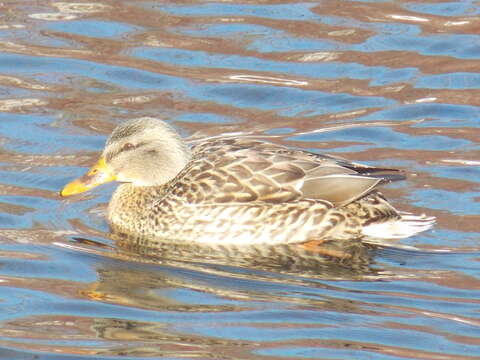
(405, 226)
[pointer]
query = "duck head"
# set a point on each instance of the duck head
(144, 152)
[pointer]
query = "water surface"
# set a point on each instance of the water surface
(387, 83)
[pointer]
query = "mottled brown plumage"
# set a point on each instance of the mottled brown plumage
(242, 191)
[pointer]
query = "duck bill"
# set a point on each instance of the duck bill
(97, 175)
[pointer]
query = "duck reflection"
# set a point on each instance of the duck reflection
(183, 296)
(332, 259)
(152, 275)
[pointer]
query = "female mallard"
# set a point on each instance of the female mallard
(239, 191)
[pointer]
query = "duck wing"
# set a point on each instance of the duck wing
(245, 170)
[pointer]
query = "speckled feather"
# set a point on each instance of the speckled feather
(243, 191)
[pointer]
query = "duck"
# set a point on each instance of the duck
(240, 190)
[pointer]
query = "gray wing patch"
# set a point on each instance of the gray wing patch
(339, 189)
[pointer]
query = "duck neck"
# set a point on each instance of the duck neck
(130, 203)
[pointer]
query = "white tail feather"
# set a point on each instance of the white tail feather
(408, 225)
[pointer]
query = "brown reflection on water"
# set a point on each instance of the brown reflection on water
(64, 288)
(116, 52)
(427, 64)
(345, 345)
(405, 93)
(386, 13)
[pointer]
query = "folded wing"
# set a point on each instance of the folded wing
(244, 170)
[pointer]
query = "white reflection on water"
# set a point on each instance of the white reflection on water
(268, 80)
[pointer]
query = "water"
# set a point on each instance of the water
(393, 84)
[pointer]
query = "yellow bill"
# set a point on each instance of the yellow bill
(97, 175)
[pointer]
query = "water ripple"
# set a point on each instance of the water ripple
(392, 84)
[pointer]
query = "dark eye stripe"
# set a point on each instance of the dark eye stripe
(127, 146)
(109, 156)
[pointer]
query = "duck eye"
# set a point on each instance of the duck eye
(128, 146)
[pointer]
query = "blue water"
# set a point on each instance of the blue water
(385, 83)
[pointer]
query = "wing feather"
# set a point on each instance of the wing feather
(245, 170)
